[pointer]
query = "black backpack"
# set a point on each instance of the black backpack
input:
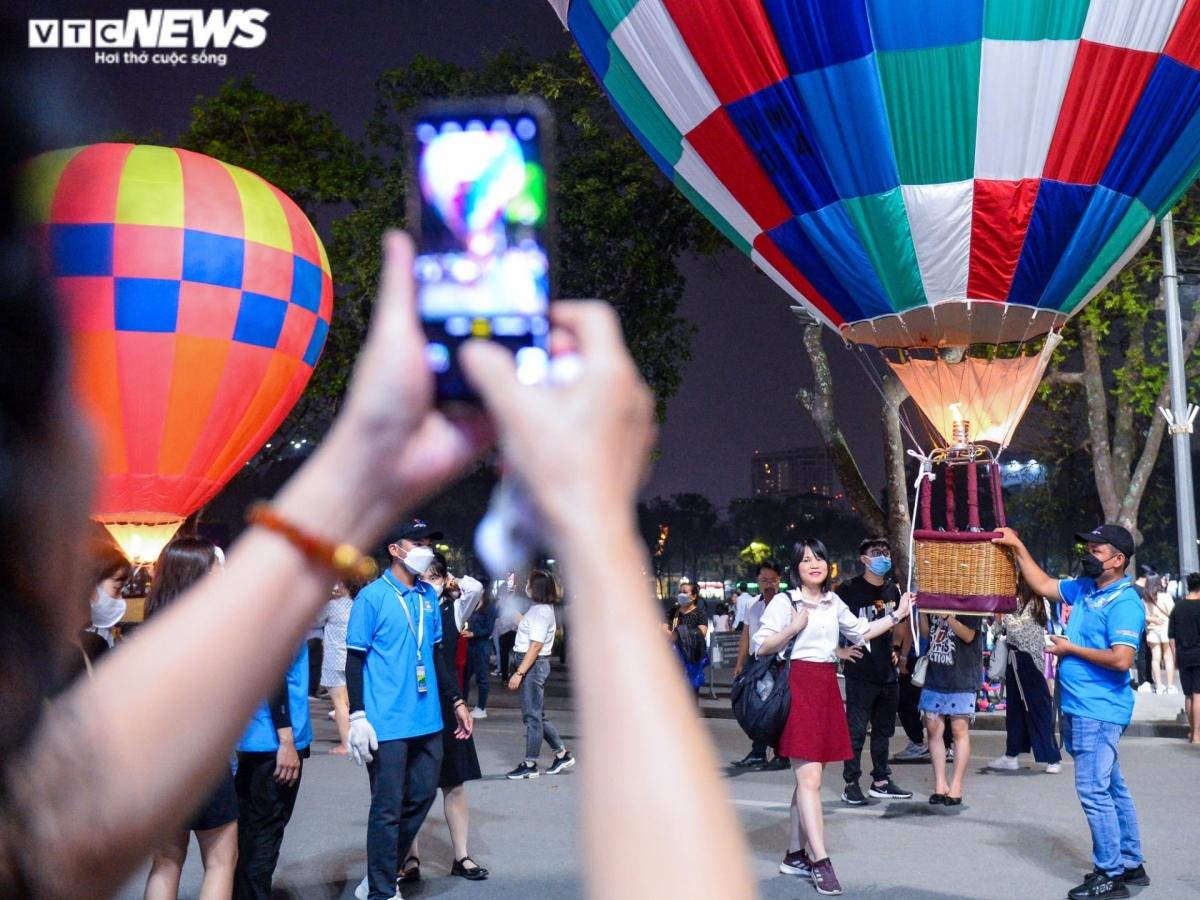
(691, 642)
(761, 696)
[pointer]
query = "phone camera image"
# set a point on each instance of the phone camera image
(483, 267)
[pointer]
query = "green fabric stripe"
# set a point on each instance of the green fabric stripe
(611, 12)
(712, 215)
(1192, 176)
(932, 99)
(881, 221)
(630, 95)
(1134, 221)
(1034, 20)
(39, 183)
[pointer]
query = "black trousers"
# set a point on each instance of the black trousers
(264, 810)
(507, 640)
(404, 780)
(1029, 719)
(910, 716)
(876, 704)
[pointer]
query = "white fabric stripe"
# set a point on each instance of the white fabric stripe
(774, 274)
(560, 7)
(656, 51)
(939, 217)
(1021, 90)
(696, 172)
(1135, 24)
(1134, 246)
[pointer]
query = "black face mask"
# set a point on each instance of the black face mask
(1092, 567)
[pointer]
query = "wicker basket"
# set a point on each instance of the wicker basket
(964, 573)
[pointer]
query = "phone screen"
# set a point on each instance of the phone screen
(483, 266)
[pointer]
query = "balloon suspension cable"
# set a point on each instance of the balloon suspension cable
(881, 388)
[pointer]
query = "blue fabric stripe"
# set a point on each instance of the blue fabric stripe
(814, 34)
(590, 33)
(804, 255)
(84, 250)
(835, 238)
(849, 121)
(1056, 214)
(921, 24)
(1171, 97)
(1180, 161)
(773, 125)
(1100, 220)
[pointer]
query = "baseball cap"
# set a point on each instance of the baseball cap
(1114, 535)
(414, 530)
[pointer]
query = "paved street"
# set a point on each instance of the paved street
(1018, 835)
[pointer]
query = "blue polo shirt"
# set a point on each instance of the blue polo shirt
(1100, 619)
(261, 736)
(379, 627)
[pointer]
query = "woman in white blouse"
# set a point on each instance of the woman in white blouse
(816, 731)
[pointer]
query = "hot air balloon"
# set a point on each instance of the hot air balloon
(947, 180)
(198, 298)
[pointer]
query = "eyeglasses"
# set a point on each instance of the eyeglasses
(876, 552)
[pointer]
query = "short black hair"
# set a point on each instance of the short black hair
(1193, 582)
(773, 564)
(871, 543)
(819, 551)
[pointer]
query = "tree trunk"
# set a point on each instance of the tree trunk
(899, 516)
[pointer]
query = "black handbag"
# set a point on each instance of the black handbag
(762, 698)
(691, 643)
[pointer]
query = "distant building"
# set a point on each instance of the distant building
(785, 473)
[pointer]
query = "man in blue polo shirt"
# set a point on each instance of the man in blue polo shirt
(1094, 658)
(270, 762)
(395, 677)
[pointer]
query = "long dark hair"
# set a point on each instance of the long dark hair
(1027, 599)
(184, 561)
(819, 551)
(440, 569)
(542, 587)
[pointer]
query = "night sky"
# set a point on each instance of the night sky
(738, 391)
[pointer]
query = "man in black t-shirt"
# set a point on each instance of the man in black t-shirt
(1184, 633)
(872, 693)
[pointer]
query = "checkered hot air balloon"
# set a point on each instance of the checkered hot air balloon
(198, 298)
(924, 176)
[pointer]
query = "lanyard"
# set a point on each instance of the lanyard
(1098, 599)
(418, 635)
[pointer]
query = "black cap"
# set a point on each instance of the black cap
(414, 530)
(1114, 535)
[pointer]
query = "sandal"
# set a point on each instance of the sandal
(409, 874)
(468, 869)
(937, 799)
(952, 801)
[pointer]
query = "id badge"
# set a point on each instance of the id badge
(422, 686)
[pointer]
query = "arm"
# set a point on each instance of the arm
(72, 818)
(583, 449)
(773, 643)
(925, 625)
(355, 659)
(890, 621)
(743, 652)
(470, 593)
(1118, 657)
(287, 760)
(965, 634)
(1042, 584)
(527, 661)
(447, 679)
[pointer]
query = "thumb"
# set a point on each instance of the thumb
(492, 372)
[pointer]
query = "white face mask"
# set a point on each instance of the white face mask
(438, 588)
(684, 600)
(106, 611)
(418, 560)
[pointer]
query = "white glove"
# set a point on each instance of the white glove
(362, 738)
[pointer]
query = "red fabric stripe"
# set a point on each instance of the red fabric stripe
(723, 150)
(1184, 43)
(87, 191)
(325, 310)
(1105, 86)
(772, 254)
(999, 220)
(245, 368)
(147, 251)
(143, 359)
(732, 42)
(304, 239)
(211, 201)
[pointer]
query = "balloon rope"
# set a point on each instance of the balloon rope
(926, 472)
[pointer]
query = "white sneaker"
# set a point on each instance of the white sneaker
(950, 754)
(363, 891)
(913, 752)
(1004, 763)
(1145, 688)
(478, 713)
(1053, 768)
(1172, 690)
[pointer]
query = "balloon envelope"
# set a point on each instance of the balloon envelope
(916, 172)
(198, 299)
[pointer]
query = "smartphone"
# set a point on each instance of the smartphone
(479, 204)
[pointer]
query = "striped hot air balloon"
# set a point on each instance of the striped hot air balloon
(198, 298)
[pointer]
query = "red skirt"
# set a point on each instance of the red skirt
(816, 727)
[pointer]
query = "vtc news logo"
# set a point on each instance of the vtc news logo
(154, 29)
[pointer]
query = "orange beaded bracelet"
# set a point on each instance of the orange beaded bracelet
(345, 559)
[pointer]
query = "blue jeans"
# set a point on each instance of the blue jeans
(533, 711)
(1116, 844)
(478, 656)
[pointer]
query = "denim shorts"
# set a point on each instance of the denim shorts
(956, 704)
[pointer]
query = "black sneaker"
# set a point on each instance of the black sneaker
(561, 763)
(1099, 886)
(853, 795)
(524, 770)
(749, 761)
(1136, 876)
(778, 764)
(888, 791)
